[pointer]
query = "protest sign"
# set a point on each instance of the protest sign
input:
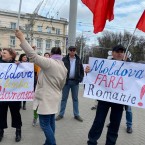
(116, 81)
(16, 82)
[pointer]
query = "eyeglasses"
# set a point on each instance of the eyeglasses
(72, 50)
(119, 51)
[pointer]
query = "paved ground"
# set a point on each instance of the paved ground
(71, 132)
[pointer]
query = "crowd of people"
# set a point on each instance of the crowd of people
(54, 75)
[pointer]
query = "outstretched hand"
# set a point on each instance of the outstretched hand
(87, 69)
(19, 35)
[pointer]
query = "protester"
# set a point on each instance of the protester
(102, 111)
(8, 56)
(50, 82)
(74, 76)
(127, 108)
(128, 119)
(46, 54)
(23, 58)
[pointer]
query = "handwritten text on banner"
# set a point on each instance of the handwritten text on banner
(116, 81)
(16, 82)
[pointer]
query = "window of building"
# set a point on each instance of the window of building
(57, 43)
(48, 30)
(39, 28)
(13, 25)
(39, 43)
(12, 41)
(48, 43)
(57, 31)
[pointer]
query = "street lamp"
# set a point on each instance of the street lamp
(81, 48)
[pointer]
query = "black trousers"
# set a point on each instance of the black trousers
(15, 114)
(23, 103)
(98, 124)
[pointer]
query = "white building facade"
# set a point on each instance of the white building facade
(42, 32)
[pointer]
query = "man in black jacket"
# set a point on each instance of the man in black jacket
(74, 76)
(102, 111)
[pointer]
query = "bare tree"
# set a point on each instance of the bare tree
(110, 39)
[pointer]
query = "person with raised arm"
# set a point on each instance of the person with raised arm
(51, 80)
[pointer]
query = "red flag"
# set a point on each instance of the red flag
(102, 10)
(141, 23)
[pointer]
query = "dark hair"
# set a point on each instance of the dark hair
(118, 47)
(21, 56)
(46, 53)
(56, 50)
(11, 51)
(72, 47)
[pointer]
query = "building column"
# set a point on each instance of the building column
(53, 43)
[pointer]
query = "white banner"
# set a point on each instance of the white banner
(116, 81)
(16, 82)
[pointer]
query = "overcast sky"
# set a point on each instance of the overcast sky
(127, 13)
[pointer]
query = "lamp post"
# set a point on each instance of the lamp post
(72, 23)
(81, 48)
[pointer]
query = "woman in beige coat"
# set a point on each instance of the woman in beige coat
(50, 82)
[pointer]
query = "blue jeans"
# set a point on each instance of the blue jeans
(128, 116)
(98, 124)
(74, 86)
(47, 123)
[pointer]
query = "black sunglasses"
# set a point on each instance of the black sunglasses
(72, 50)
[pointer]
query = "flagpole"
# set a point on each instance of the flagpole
(19, 14)
(129, 44)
